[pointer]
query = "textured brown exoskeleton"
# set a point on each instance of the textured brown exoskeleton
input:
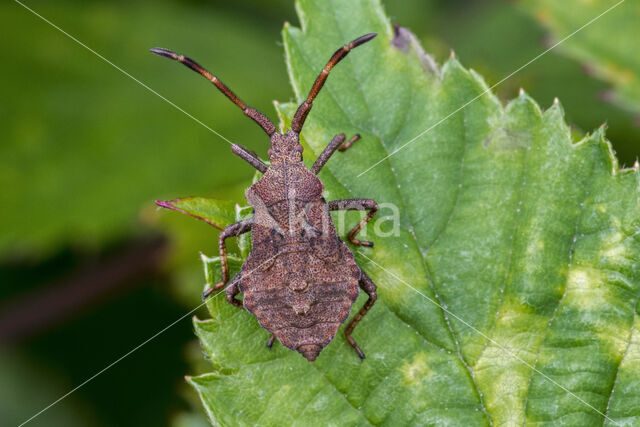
(300, 279)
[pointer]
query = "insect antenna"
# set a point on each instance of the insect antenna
(305, 107)
(256, 115)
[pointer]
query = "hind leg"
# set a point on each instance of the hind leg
(367, 285)
(270, 342)
(234, 289)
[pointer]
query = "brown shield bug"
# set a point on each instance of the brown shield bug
(300, 279)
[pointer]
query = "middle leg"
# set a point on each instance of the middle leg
(233, 230)
(360, 205)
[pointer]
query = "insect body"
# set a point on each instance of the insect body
(300, 279)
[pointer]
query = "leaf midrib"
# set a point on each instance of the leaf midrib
(516, 227)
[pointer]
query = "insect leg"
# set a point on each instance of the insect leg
(233, 230)
(254, 114)
(349, 143)
(305, 107)
(337, 143)
(367, 285)
(234, 289)
(270, 342)
(249, 157)
(360, 205)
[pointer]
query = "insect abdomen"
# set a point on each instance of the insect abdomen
(302, 299)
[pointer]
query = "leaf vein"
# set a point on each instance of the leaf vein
(624, 354)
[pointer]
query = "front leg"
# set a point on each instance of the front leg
(337, 143)
(249, 157)
(233, 230)
(360, 205)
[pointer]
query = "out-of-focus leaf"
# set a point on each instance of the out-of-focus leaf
(508, 292)
(609, 45)
(85, 149)
(23, 382)
(186, 419)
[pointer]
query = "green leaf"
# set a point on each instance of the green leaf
(508, 292)
(212, 267)
(218, 213)
(609, 45)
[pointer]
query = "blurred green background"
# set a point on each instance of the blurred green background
(89, 268)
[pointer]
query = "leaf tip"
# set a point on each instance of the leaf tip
(600, 133)
(523, 96)
(608, 154)
(198, 324)
(405, 41)
(164, 204)
(556, 107)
